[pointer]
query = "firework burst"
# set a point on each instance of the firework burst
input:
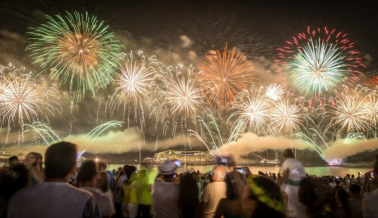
(184, 95)
(253, 111)
(349, 112)
(320, 60)
(285, 116)
(136, 76)
(75, 48)
(224, 75)
(370, 109)
(274, 91)
(22, 99)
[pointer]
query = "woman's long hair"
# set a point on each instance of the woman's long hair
(103, 181)
(188, 196)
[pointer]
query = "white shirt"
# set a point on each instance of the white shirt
(296, 169)
(104, 203)
(212, 194)
(108, 193)
(52, 199)
(165, 200)
(369, 204)
(121, 180)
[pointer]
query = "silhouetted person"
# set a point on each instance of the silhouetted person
(55, 197)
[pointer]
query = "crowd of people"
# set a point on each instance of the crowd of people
(60, 189)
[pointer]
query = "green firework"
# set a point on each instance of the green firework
(76, 49)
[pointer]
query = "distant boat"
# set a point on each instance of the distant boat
(270, 162)
(188, 157)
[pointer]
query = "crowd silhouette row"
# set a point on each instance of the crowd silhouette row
(60, 189)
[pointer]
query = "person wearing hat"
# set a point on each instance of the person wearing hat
(165, 193)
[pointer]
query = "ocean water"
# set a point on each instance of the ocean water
(318, 171)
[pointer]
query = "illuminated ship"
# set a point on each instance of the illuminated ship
(189, 157)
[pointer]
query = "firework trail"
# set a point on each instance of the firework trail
(319, 61)
(43, 131)
(75, 49)
(225, 75)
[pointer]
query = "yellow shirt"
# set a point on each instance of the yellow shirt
(130, 193)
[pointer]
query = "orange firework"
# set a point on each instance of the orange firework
(224, 75)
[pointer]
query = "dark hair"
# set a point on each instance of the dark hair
(231, 192)
(14, 179)
(103, 181)
(188, 196)
(129, 171)
(262, 210)
(355, 189)
(125, 168)
(12, 159)
(343, 196)
(307, 195)
(60, 160)
(288, 153)
(102, 164)
(87, 171)
(329, 199)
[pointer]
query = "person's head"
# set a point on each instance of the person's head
(101, 166)
(330, 201)
(355, 191)
(130, 173)
(13, 161)
(266, 197)
(218, 174)
(231, 191)
(167, 169)
(34, 159)
(330, 180)
(307, 195)
(287, 153)
(125, 168)
(102, 181)
(342, 198)
(352, 176)
(188, 195)
(12, 180)
(348, 176)
(87, 172)
(60, 160)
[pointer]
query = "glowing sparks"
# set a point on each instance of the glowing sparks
(320, 60)
(349, 113)
(184, 95)
(285, 116)
(75, 48)
(253, 111)
(225, 75)
(274, 91)
(135, 78)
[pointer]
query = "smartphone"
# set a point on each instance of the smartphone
(241, 170)
(177, 163)
(372, 175)
(219, 160)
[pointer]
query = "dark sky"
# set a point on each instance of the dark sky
(271, 19)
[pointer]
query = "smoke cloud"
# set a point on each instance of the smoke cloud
(250, 142)
(341, 149)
